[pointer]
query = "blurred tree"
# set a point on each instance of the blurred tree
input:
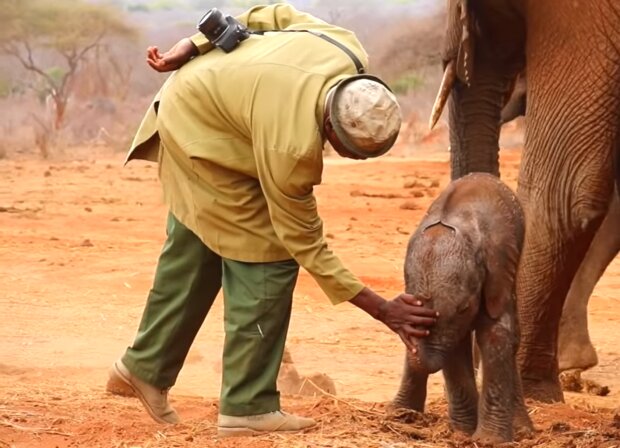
(250, 3)
(205, 5)
(66, 28)
(6, 87)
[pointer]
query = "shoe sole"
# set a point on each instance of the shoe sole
(137, 393)
(117, 386)
(223, 432)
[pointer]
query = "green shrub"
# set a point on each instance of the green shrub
(138, 7)
(6, 87)
(406, 83)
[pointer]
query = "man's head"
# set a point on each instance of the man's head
(362, 117)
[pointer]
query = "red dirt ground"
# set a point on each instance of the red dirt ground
(79, 240)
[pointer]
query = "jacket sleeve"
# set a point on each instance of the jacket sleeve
(261, 18)
(287, 183)
(288, 151)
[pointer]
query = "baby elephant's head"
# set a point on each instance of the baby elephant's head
(444, 270)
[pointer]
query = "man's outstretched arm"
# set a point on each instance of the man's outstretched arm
(404, 314)
(259, 18)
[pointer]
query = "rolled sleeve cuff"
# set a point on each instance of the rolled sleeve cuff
(340, 289)
(202, 43)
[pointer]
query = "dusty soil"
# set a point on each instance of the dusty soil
(79, 239)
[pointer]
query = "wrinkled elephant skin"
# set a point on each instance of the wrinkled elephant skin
(572, 135)
(575, 349)
(462, 261)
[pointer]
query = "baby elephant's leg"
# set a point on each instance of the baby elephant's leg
(522, 423)
(497, 340)
(461, 388)
(412, 391)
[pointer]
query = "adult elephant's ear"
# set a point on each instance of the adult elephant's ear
(466, 53)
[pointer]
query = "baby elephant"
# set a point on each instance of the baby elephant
(462, 261)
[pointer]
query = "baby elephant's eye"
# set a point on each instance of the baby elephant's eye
(462, 307)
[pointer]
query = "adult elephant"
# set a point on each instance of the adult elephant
(575, 349)
(572, 133)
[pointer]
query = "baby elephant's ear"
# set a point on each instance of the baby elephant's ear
(498, 289)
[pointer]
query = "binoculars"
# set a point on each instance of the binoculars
(224, 32)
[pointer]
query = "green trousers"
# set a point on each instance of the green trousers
(257, 309)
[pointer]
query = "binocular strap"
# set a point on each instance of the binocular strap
(358, 64)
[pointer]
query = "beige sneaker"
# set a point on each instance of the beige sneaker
(155, 400)
(251, 425)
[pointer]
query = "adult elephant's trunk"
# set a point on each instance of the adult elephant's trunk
(483, 45)
(475, 123)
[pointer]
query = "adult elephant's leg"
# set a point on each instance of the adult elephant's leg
(550, 259)
(566, 179)
(575, 350)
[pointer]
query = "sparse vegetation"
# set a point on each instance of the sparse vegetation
(67, 31)
(80, 68)
(6, 87)
(406, 83)
(68, 28)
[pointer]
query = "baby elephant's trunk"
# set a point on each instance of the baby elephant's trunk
(428, 359)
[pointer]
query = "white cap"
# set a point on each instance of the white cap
(365, 115)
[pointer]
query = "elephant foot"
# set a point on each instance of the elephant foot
(465, 425)
(491, 437)
(578, 354)
(413, 405)
(522, 425)
(545, 391)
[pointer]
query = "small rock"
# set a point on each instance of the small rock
(86, 243)
(409, 205)
(560, 427)
(88, 209)
(593, 388)
(413, 183)
(47, 174)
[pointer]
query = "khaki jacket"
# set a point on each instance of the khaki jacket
(238, 137)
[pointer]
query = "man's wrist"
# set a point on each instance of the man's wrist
(194, 49)
(371, 303)
(382, 311)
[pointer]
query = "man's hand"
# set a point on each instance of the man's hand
(172, 59)
(401, 315)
